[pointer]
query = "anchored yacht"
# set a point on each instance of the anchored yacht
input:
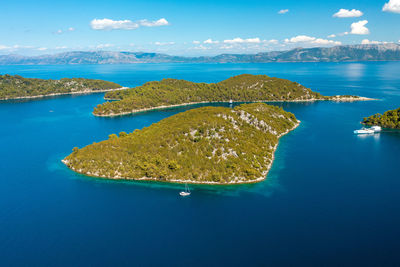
(364, 131)
(371, 130)
(186, 192)
(376, 128)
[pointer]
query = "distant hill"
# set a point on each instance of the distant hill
(371, 52)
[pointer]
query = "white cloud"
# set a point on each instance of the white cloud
(332, 36)
(109, 24)
(196, 42)
(21, 46)
(300, 39)
(210, 41)
(345, 13)
(61, 47)
(101, 46)
(240, 40)
(70, 29)
(164, 43)
(272, 41)
(366, 41)
(326, 42)
(226, 47)
(160, 22)
(359, 27)
(283, 11)
(311, 40)
(17, 47)
(201, 47)
(392, 6)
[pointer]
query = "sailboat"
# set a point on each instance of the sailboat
(186, 192)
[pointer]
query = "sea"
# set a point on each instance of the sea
(332, 198)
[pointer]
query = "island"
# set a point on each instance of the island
(207, 145)
(242, 88)
(389, 119)
(18, 87)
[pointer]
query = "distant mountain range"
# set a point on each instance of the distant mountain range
(370, 52)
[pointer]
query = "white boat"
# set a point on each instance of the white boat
(364, 131)
(376, 128)
(373, 129)
(230, 101)
(186, 192)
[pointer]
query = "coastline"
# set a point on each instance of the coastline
(150, 179)
(85, 92)
(335, 99)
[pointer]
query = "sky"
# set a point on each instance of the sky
(193, 27)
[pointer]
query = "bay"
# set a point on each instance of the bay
(331, 198)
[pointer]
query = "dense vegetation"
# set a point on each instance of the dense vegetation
(389, 119)
(19, 87)
(209, 144)
(167, 92)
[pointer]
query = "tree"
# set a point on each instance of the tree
(112, 136)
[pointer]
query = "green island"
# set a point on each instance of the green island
(242, 88)
(18, 87)
(207, 145)
(389, 119)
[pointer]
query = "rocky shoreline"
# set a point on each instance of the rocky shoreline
(84, 92)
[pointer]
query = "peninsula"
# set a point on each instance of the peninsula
(208, 145)
(242, 88)
(389, 119)
(18, 87)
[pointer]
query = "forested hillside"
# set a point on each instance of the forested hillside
(203, 145)
(169, 92)
(389, 119)
(19, 87)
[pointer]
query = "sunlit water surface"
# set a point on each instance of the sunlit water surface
(331, 198)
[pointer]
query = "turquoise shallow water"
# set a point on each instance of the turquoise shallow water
(331, 198)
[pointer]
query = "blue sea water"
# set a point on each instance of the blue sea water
(331, 198)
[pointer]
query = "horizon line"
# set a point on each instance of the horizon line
(188, 56)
